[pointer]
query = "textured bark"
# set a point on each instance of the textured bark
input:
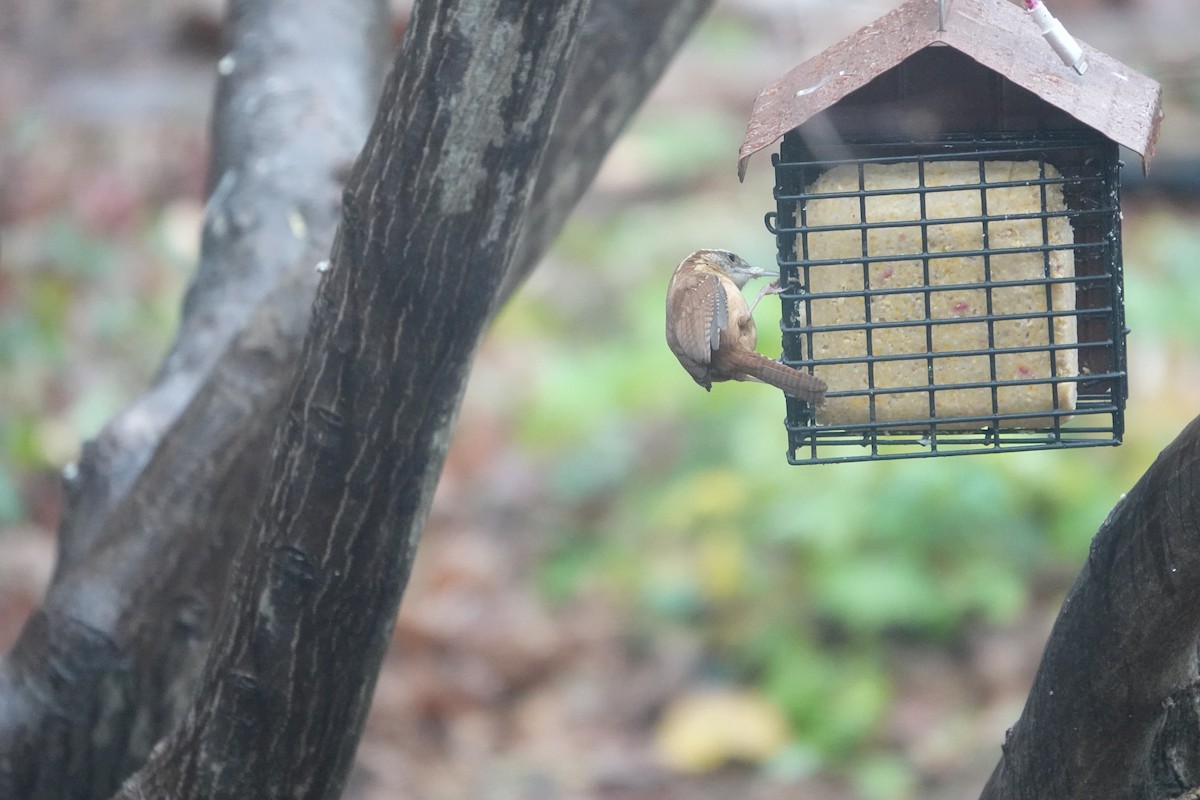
(158, 507)
(626, 46)
(1113, 708)
(430, 222)
(158, 502)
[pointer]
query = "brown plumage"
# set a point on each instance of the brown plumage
(711, 332)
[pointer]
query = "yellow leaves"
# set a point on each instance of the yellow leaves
(706, 729)
(721, 565)
(703, 497)
(702, 547)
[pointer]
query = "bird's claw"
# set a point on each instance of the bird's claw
(774, 287)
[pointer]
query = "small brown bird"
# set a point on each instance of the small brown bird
(711, 332)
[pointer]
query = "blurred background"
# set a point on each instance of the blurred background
(624, 590)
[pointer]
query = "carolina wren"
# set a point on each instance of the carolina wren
(711, 332)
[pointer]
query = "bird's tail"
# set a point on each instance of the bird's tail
(802, 385)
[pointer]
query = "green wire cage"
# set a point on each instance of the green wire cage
(948, 231)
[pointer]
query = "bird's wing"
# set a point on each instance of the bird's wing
(719, 319)
(697, 334)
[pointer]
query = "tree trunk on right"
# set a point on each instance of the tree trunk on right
(1113, 712)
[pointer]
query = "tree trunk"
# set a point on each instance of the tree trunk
(159, 505)
(429, 225)
(1113, 709)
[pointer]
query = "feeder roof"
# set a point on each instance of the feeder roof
(1111, 98)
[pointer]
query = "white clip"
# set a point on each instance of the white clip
(1054, 32)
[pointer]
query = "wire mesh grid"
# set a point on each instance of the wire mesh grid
(958, 296)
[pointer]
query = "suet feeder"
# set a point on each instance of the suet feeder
(948, 227)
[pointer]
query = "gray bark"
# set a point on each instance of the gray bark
(158, 508)
(429, 224)
(157, 504)
(1113, 708)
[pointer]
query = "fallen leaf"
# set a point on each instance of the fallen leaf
(706, 729)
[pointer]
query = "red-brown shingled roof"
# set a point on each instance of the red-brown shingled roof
(1111, 98)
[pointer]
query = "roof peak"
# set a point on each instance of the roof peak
(1111, 98)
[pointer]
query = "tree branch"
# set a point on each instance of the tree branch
(627, 45)
(430, 222)
(157, 511)
(106, 665)
(1112, 710)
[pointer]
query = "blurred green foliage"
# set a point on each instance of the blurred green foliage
(1161, 287)
(793, 578)
(85, 316)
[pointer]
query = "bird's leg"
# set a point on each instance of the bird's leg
(774, 287)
